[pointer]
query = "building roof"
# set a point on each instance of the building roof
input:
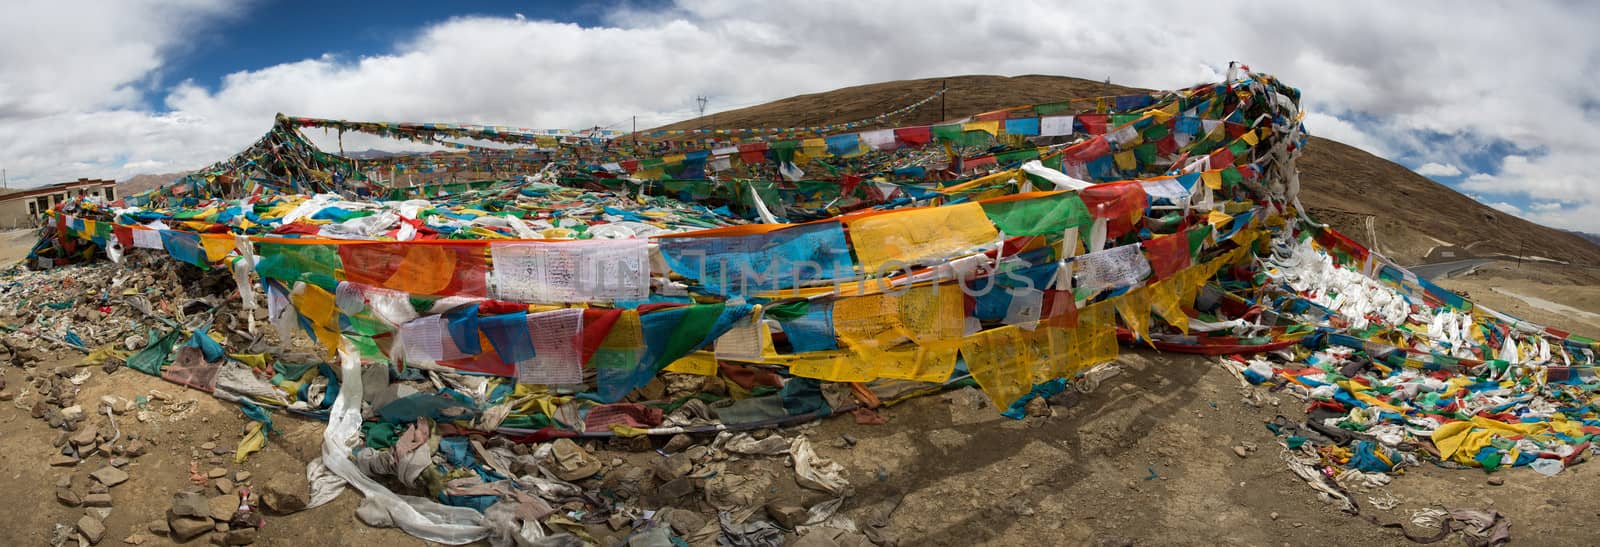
(57, 187)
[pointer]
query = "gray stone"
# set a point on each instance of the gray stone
(241, 476)
(208, 446)
(135, 448)
(183, 529)
(92, 529)
(677, 443)
(63, 460)
(672, 467)
(222, 507)
(224, 486)
(97, 500)
(676, 488)
(158, 527)
(786, 514)
(242, 536)
(190, 504)
(86, 436)
(282, 497)
(68, 497)
(110, 476)
(216, 473)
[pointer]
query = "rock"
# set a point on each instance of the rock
(208, 446)
(97, 488)
(63, 460)
(1241, 452)
(110, 476)
(135, 448)
(7, 395)
(97, 500)
(242, 536)
(68, 497)
(675, 488)
(216, 473)
(672, 467)
(118, 462)
(677, 443)
(1037, 408)
(221, 527)
(158, 527)
(241, 476)
(136, 539)
(786, 514)
(190, 504)
(1496, 481)
(64, 481)
(222, 507)
(221, 450)
(92, 529)
(684, 521)
(61, 439)
(617, 521)
(1274, 515)
(224, 486)
(183, 529)
(281, 497)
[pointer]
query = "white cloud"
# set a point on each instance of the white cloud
(1505, 207)
(1412, 82)
(1545, 207)
(1434, 169)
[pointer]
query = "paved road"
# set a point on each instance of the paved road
(1445, 269)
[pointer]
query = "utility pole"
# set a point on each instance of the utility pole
(635, 131)
(944, 89)
(702, 100)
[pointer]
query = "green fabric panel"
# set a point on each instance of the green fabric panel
(1119, 120)
(1197, 239)
(1156, 132)
(1035, 216)
(788, 311)
(1231, 176)
(1146, 153)
(1016, 156)
(154, 356)
(1239, 148)
(944, 133)
(693, 327)
(291, 262)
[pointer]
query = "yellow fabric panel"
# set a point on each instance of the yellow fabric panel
(990, 126)
(699, 363)
(1134, 307)
(930, 363)
(923, 314)
(1249, 137)
(815, 148)
(911, 235)
(1164, 302)
(317, 305)
(832, 366)
(1046, 351)
(1213, 179)
(1095, 339)
(995, 362)
(216, 248)
(1125, 160)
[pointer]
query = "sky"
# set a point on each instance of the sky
(1498, 100)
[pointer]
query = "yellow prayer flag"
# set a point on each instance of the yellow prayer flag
(990, 126)
(1125, 160)
(1212, 179)
(912, 235)
(995, 363)
(1249, 137)
(1134, 308)
(699, 363)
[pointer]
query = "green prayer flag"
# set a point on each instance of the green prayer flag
(1041, 215)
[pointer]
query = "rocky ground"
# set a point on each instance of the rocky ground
(1172, 450)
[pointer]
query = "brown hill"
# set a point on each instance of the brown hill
(1341, 185)
(140, 183)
